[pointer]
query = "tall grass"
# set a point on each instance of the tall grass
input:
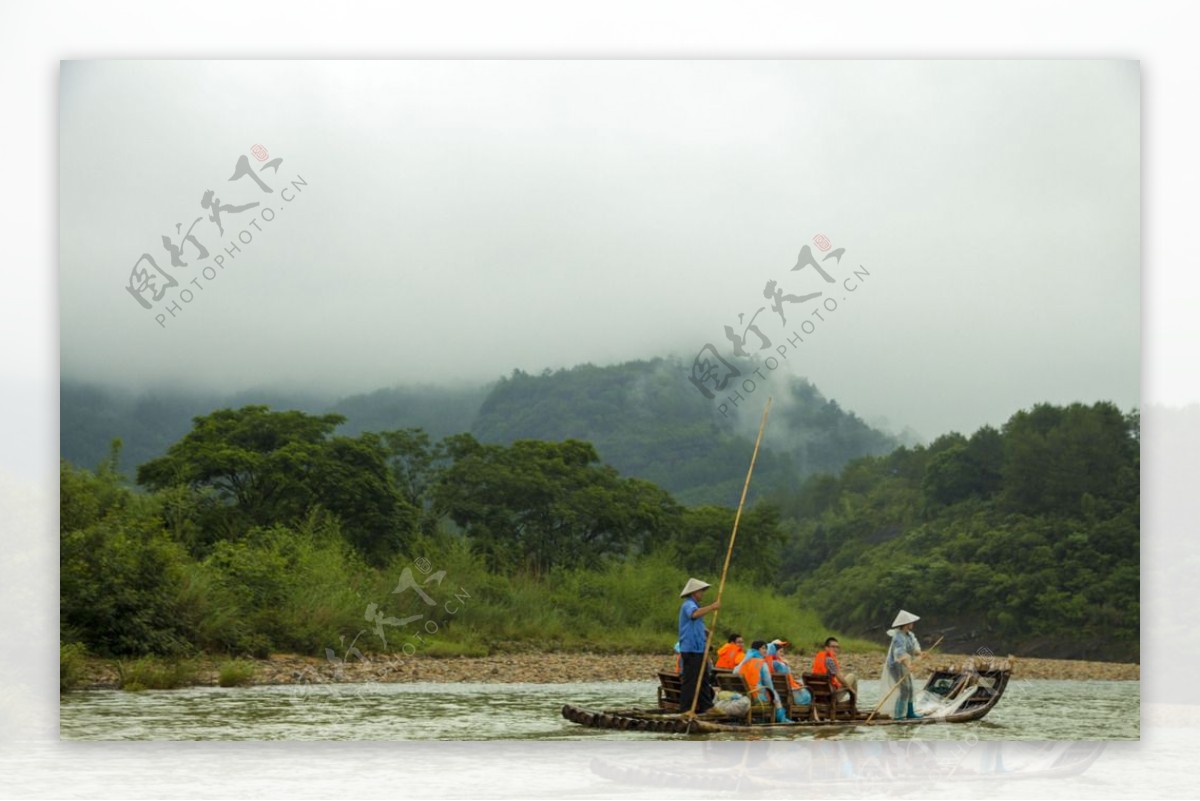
(625, 607)
(306, 591)
(72, 665)
(152, 673)
(277, 590)
(236, 673)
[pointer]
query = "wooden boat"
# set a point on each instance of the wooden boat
(968, 693)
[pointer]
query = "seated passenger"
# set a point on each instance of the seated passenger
(775, 660)
(730, 655)
(826, 663)
(754, 671)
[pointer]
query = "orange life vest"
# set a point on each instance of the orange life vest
(751, 671)
(819, 668)
(729, 655)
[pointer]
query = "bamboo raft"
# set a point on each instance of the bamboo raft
(969, 693)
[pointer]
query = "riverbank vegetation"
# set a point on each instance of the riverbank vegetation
(235, 673)
(151, 673)
(304, 588)
(264, 531)
(72, 665)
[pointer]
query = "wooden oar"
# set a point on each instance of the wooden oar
(725, 570)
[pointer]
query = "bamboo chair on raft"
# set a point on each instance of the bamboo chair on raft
(668, 691)
(728, 680)
(783, 689)
(824, 702)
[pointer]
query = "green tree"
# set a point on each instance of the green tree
(537, 504)
(118, 568)
(275, 467)
(1056, 455)
(702, 541)
(965, 468)
(415, 462)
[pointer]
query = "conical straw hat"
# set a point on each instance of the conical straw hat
(693, 585)
(904, 618)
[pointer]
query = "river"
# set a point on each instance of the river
(1029, 710)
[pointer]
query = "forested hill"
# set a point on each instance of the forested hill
(648, 421)
(644, 418)
(1021, 540)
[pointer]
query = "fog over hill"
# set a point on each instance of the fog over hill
(644, 418)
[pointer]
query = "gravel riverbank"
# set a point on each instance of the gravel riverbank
(560, 668)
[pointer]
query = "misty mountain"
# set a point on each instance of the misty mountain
(648, 421)
(644, 418)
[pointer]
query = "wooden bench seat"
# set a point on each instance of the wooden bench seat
(783, 689)
(733, 682)
(825, 705)
(668, 690)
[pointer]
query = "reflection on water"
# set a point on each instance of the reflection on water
(1029, 710)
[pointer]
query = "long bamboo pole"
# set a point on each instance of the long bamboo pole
(728, 554)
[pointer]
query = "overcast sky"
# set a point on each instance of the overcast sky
(453, 221)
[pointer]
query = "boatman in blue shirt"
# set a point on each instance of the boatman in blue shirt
(692, 638)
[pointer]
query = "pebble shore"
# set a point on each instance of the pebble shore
(562, 668)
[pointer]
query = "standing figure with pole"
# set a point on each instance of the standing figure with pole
(695, 690)
(898, 666)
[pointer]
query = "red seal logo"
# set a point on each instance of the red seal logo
(822, 242)
(259, 152)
